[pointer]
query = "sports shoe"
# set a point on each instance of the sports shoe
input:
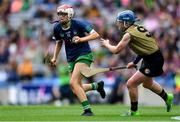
(131, 113)
(87, 114)
(169, 102)
(101, 89)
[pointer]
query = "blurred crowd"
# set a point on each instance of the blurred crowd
(26, 36)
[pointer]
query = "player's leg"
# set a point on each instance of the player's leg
(152, 68)
(132, 85)
(99, 86)
(77, 88)
(86, 61)
(156, 88)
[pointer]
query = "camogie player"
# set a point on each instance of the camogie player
(146, 48)
(75, 34)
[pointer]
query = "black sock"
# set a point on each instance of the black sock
(163, 95)
(134, 106)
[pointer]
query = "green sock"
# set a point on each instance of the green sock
(94, 86)
(85, 105)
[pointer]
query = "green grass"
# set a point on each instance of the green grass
(72, 113)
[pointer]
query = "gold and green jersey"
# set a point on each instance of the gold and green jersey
(142, 43)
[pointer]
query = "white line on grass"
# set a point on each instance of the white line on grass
(176, 117)
(89, 121)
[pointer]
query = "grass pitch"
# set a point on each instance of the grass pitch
(72, 113)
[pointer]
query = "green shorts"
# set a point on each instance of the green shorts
(87, 59)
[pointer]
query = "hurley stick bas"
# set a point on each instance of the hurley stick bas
(47, 59)
(88, 72)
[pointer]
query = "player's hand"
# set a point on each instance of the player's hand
(53, 62)
(105, 42)
(131, 65)
(76, 39)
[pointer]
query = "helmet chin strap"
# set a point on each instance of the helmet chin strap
(125, 25)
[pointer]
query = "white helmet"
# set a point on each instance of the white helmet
(66, 9)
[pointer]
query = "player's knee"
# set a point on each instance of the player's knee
(72, 85)
(131, 84)
(128, 85)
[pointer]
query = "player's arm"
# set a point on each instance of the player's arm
(58, 45)
(137, 59)
(91, 36)
(56, 52)
(86, 27)
(57, 49)
(134, 62)
(121, 45)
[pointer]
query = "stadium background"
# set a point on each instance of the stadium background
(26, 35)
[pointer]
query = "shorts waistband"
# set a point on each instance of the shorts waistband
(155, 54)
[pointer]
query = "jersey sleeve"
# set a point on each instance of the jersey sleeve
(56, 36)
(85, 26)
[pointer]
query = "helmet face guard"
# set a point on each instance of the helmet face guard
(65, 10)
(62, 13)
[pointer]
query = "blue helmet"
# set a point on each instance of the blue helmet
(127, 16)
